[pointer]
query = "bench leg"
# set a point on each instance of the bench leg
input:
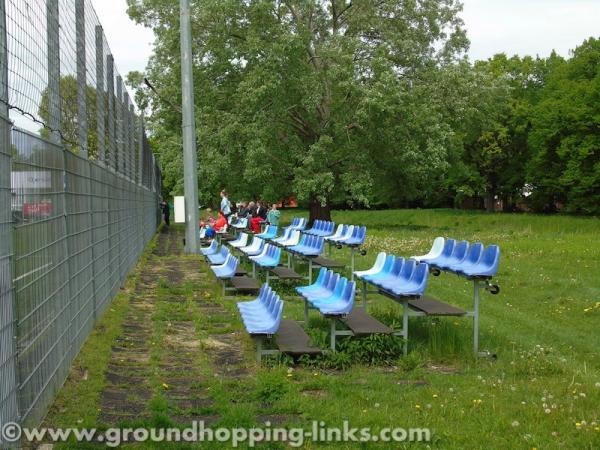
(306, 312)
(476, 316)
(289, 262)
(405, 325)
(310, 269)
(258, 350)
(253, 269)
(333, 334)
(352, 253)
(364, 295)
(329, 248)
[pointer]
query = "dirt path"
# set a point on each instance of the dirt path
(176, 339)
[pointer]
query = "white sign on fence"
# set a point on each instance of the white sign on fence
(40, 179)
(179, 205)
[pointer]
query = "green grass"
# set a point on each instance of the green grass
(543, 391)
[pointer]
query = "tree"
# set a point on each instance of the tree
(565, 135)
(317, 99)
(69, 109)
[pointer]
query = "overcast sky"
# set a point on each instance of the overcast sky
(523, 27)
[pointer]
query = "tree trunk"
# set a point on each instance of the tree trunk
(318, 211)
(490, 203)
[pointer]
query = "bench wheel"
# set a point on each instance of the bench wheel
(363, 252)
(436, 272)
(338, 246)
(494, 289)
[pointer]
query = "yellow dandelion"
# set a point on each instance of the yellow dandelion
(165, 386)
(418, 406)
(435, 396)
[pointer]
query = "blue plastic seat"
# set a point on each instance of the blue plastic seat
(446, 252)
(211, 249)
(241, 241)
(471, 259)
(401, 277)
(342, 305)
(269, 233)
(385, 269)
(339, 233)
(334, 295)
(219, 258)
(347, 233)
(415, 287)
(377, 266)
(393, 274)
(266, 320)
(357, 238)
(287, 232)
(227, 269)
(459, 253)
(486, 267)
(263, 294)
(322, 280)
(269, 258)
(324, 291)
(255, 248)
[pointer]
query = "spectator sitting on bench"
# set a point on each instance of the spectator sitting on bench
(243, 210)
(273, 215)
(259, 215)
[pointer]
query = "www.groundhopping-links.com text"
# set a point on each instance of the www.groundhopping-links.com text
(295, 437)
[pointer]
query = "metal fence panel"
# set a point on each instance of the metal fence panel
(79, 194)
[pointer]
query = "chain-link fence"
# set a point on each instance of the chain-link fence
(79, 193)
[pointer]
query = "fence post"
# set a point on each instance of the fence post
(119, 121)
(125, 132)
(110, 93)
(82, 125)
(132, 120)
(9, 411)
(54, 106)
(141, 151)
(100, 92)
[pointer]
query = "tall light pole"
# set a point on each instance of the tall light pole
(190, 163)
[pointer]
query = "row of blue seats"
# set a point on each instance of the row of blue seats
(400, 277)
(308, 246)
(321, 228)
(331, 294)
(298, 223)
(350, 235)
(262, 316)
(462, 258)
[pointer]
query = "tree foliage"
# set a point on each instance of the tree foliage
(364, 102)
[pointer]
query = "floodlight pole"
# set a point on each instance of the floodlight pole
(190, 163)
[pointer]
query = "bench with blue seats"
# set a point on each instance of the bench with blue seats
(333, 296)
(228, 273)
(241, 241)
(211, 249)
(298, 223)
(269, 233)
(405, 280)
(267, 259)
(253, 249)
(218, 257)
(308, 248)
(351, 236)
(263, 320)
(321, 228)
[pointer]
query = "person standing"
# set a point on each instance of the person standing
(225, 204)
(273, 215)
(166, 211)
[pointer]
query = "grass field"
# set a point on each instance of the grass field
(542, 391)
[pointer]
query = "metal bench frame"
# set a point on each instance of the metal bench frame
(407, 312)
